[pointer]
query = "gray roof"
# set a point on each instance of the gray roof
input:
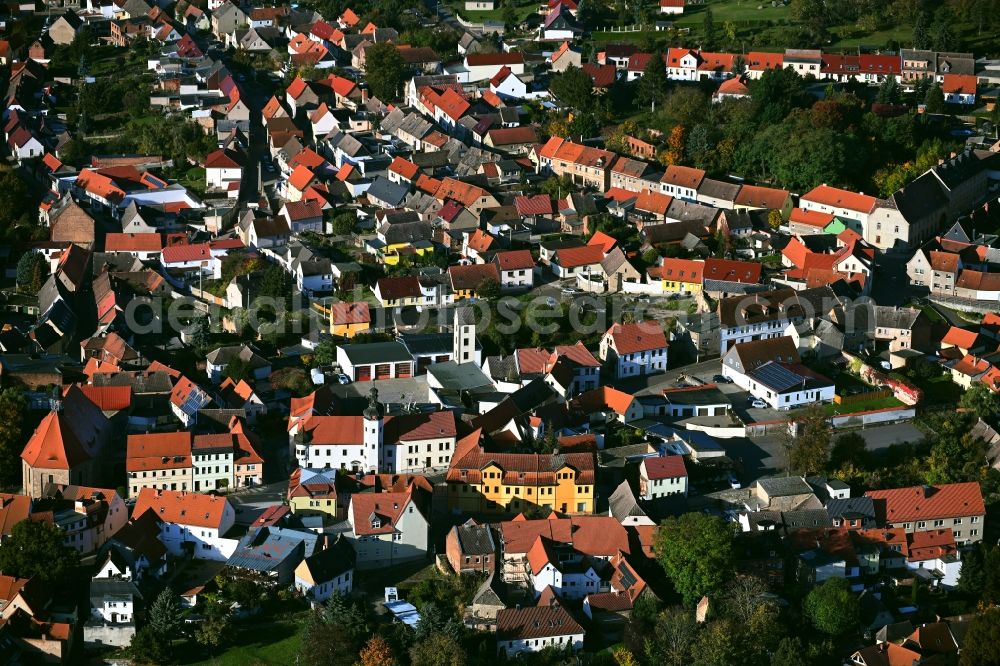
(327, 564)
(406, 232)
(853, 508)
(920, 198)
(475, 539)
(386, 191)
(782, 486)
(893, 317)
(623, 503)
(376, 352)
(267, 548)
(805, 519)
(112, 588)
(459, 376)
(718, 189)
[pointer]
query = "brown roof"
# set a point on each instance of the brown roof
(515, 260)
(393, 288)
(596, 536)
(507, 136)
(153, 451)
(761, 197)
(683, 176)
(472, 276)
(386, 507)
(349, 313)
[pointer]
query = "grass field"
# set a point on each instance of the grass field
(736, 11)
(273, 644)
(862, 406)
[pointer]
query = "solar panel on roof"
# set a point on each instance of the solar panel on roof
(776, 376)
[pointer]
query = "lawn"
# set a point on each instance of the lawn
(274, 643)
(941, 390)
(737, 11)
(524, 10)
(861, 406)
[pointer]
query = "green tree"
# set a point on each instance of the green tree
(13, 407)
(788, 653)
(213, 630)
(716, 645)
(776, 93)
(147, 647)
(934, 101)
(574, 88)
(832, 607)
(921, 35)
(326, 353)
(653, 84)
(811, 449)
(237, 369)
(327, 644)
(489, 289)
(32, 271)
(165, 615)
(384, 71)
(437, 650)
(708, 27)
(983, 402)
(849, 448)
(774, 219)
(696, 551)
(981, 639)
(508, 14)
(889, 92)
(17, 206)
(35, 549)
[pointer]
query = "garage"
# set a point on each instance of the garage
(363, 373)
(383, 371)
(404, 369)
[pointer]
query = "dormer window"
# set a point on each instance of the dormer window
(376, 523)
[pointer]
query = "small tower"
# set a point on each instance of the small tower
(373, 417)
(464, 336)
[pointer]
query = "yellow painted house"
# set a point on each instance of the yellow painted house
(679, 276)
(313, 492)
(391, 254)
(349, 319)
(480, 482)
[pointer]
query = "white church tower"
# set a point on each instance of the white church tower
(464, 337)
(374, 416)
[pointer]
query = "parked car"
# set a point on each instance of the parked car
(758, 404)
(722, 379)
(343, 379)
(734, 483)
(885, 365)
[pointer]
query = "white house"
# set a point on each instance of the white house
(534, 628)
(326, 572)
(672, 7)
(386, 529)
(507, 85)
(484, 66)
(517, 269)
(191, 523)
(223, 167)
(771, 371)
(24, 145)
(852, 208)
(212, 461)
(568, 579)
(662, 476)
(638, 348)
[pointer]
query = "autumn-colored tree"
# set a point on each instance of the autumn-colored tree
(376, 652)
(674, 152)
(624, 657)
(774, 219)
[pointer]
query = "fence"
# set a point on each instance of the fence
(879, 416)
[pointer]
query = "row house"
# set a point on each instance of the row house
(191, 524)
(586, 166)
(955, 506)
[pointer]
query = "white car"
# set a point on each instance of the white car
(758, 404)
(885, 365)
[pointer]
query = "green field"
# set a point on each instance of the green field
(273, 644)
(861, 406)
(737, 11)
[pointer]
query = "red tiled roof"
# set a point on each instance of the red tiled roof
(53, 445)
(971, 366)
(954, 500)
(404, 168)
(153, 451)
(472, 276)
(303, 210)
(151, 242)
(540, 204)
(760, 60)
(665, 467)
(638, 337)
(680, 176)
(515, 260)
(577, 352)
(185, 253)
(342, 314)
(653, 202)
(338, 430)
(931, 544)
(838, 198)
(182, 508)
(679, 270)
(603, 75)
(761, 197)
(533, 622)
(572, 257)
(943, 261)
(508, 136)
(385, 507)
(959, 84)
(394, 288)
(960, 337)
(108, 398)
(746, 272)
(812, 218)
(603, 241)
